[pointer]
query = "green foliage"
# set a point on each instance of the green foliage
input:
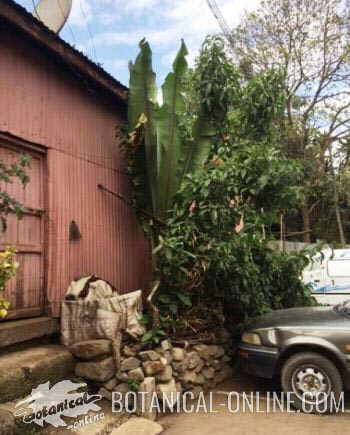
(8, 269)
(205, 245)
(210, 246)
(262, 104)
(270, 280)
(240, 109)
(213, 247)
(154, 333)
(159, 154)
(316, 89)
(142, 89)
(173, 301)
(253, 104)
(134, 385)
(142, 101)
(154, 336)
(216, 81)
(8, 204)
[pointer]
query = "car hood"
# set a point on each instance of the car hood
(307, 316)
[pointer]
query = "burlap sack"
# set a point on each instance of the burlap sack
(83, 321)
(92, 309)
(129, 306)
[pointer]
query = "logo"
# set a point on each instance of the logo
(49, 405)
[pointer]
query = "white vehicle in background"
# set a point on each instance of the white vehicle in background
(329, 276)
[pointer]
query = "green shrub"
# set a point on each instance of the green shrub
(8, 269)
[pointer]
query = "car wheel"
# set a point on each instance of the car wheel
(312, 382)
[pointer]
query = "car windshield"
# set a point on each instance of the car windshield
(343, 308)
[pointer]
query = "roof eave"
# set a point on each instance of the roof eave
(38, 32)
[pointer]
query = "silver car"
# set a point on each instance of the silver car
(308, 349)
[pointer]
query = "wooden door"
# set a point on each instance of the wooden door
(26, 291)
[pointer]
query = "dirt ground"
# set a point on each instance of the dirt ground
(255, 422)
(224, 422)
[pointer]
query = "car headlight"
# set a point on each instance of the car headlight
(251, 338)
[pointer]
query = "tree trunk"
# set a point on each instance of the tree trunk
(282, 244)
(306, 224)
(336, 202)
(154, 312)
(338, 216)
(153, 309)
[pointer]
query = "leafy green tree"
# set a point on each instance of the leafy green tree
(214, 247)
(250, 107)
(310, 40)
(206, 251)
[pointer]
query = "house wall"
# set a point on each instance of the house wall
(43, 103)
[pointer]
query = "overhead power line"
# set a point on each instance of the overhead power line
(68, 25)
(35, 9)
(89, 31)
(226, 30)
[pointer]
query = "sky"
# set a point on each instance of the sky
(108, 31)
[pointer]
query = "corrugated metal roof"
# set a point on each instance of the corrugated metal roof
(63, 51)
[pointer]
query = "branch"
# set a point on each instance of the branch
(128, 202)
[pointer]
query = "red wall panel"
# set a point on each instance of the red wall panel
(40, 102)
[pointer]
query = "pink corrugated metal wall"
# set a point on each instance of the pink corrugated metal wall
(42, 104)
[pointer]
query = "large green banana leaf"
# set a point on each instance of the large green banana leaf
(142, 87)
(169, 142)
(168, 157)
(142, 101)
(198, 149)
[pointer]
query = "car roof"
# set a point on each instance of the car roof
(337, 254)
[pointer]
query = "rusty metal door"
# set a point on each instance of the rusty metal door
(26, 291)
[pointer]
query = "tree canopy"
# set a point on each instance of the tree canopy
(310, 41)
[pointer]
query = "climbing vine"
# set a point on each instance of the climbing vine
(8, 269)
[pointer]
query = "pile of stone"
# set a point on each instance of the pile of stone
(167, 369)
(97, 362)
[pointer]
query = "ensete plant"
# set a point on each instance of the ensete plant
(159, 154)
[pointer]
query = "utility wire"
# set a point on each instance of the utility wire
(226, 29)
(68, 25)
(35, 9)
(222, 22)
(89, 31)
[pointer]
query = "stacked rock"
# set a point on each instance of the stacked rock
(166, 370)
(97, 360)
